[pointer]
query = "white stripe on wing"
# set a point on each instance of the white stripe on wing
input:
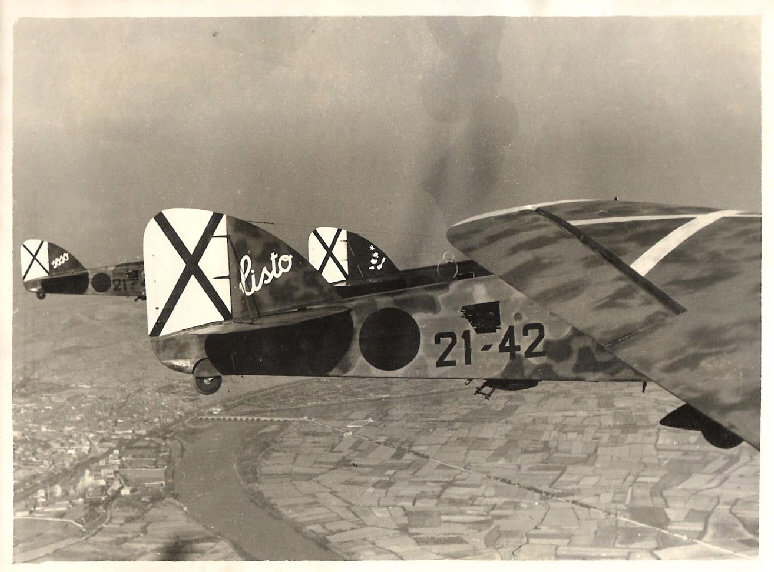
(635, 218)
(522, 208)
(663, 247)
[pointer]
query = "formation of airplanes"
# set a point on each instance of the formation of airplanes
(581, 290)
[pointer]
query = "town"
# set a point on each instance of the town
(96, 479)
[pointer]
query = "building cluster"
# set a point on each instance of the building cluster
(56, 431)
(135, 472)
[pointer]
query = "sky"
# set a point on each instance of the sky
(394, 127)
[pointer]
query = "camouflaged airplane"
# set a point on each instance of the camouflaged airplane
(226, 297)
(50, 269)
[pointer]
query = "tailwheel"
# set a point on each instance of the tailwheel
(207, 385)
(40, 294)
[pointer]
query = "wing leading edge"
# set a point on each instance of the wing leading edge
(672, 291)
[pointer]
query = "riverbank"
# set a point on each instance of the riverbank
(208, 485)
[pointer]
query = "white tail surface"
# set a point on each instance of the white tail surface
(328, 253)
(186, 270)
(34, 259)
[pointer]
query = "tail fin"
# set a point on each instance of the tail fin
(342, 255)
(40, 259)
(203, 267)
(46, 267)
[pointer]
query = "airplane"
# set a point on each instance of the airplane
(50, 269)
(356, 266)
(341, 255)
(227, 297)
(674, 292)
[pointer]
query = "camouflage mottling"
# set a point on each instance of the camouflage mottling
(567, 291)
(424, 301)
(564, 340)
(557, 351)
(534, 243)
(708, 355)
(588, 362)
(517, 369)
(297, 324)
(306, 287)
(530, 269)
(630, 239)
(565, 273)
(436, 308)
(599, 209)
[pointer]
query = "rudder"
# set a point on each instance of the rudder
(342, 255)
(48, 268)
(41, 258)
(203, 267)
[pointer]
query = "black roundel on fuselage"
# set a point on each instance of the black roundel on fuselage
(389, 339)
(100, 282)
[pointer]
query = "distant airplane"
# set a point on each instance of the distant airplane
(226, 297)
(50, 269)
(674, 292)
(341, 255)
(356, 266)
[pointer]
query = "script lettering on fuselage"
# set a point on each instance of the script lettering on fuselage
(279, 266)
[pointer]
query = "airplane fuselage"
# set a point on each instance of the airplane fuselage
(466, 328)
(127, 279)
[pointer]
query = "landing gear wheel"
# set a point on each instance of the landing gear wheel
(207, 385)
(40, 294)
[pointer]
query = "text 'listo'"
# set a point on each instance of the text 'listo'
(279, 266)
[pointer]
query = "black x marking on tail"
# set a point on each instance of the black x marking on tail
(34, 260)
(191, 268)
(329, 252)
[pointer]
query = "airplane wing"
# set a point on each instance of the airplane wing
(675, 292)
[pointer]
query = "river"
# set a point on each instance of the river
(206, 482)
